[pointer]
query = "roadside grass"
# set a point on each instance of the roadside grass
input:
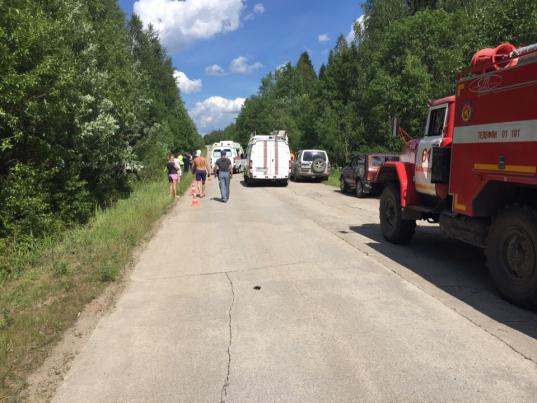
(333, 179)
(59, 277)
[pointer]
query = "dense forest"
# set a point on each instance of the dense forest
(84, 93)
(404, 53)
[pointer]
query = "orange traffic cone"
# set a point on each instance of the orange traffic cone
(195, 201)
(193, 189)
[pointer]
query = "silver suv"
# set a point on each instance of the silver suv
(311, 164)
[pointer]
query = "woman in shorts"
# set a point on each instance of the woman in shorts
(173, 176)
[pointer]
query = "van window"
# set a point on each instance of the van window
(436, 122)
(311, 156)
(217, 152)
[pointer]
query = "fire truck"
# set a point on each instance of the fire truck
(474, 172)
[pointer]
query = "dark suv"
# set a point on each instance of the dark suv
(360, 174)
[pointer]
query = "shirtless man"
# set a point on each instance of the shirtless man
(200, 168)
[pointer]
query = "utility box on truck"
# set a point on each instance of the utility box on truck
(475, 170)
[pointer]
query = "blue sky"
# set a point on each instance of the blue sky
(246, 39)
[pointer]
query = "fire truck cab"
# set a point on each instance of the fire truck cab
(475, 169)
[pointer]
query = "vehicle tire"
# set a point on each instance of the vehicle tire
(360, 193)
(343, 188)
(394, 228)
(284, 183)
(511, 253)
(318, 166)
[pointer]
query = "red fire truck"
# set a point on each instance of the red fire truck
(475, 170)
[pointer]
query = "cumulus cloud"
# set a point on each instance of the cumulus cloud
(215, 112)
(259, 8)
(187, 85)
(358, 24)
(323, 38)
(240, 65)
(179, 23)
(214, 70)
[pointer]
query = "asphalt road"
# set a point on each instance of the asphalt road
(290, 295)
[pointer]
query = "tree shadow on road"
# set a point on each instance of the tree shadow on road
(454, 267)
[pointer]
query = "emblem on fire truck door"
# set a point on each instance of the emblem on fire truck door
(466, 113)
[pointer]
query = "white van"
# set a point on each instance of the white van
(268, 159)
(216, 152)
(234, 152)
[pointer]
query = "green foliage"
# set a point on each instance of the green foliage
(406, 53)
(58, 276)
(83, 93)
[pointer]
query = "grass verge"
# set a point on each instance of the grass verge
(61, 276)
(333, 179)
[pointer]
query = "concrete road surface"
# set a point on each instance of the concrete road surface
(290, 295)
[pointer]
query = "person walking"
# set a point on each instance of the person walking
(173, 175)
(201, 169)
(224, 170)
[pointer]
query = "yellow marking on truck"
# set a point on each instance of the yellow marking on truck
(519, 169)
(425, 186)
(460, 87)
(459, 206)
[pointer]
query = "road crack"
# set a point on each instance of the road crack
(223, 392)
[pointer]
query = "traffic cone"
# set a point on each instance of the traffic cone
(193, 189)
(195, 201)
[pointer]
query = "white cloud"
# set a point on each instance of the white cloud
(179, 23)
(259, 8)
(215, 112)
(323, 38)
(359, 23)
(187, 85)
(283, 65)
(214, 70)
(240, 65)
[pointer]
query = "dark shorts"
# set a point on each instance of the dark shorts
(201, 176)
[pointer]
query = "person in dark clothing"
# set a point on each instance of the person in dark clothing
(187, 160)
(173, 175)
(224, 170)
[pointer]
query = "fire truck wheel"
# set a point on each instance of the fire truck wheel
(394, 228)
(360, 189)
(512, 255)
(343, 185)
